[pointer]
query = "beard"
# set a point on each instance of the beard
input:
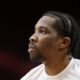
(36, 57)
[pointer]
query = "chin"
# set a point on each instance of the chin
(36, 59)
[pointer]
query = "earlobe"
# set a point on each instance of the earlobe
(64, 43)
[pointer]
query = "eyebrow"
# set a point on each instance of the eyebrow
(42, 27)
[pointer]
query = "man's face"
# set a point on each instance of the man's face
(44, 42)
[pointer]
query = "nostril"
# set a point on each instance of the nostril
(33, 38)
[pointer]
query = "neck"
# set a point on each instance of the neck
(55, 67)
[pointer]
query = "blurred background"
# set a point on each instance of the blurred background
(17, 20)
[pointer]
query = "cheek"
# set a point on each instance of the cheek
(45, 43)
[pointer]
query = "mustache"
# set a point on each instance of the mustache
(31, 45)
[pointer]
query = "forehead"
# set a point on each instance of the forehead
(45, 21)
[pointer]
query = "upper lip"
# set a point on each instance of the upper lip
(31, 46)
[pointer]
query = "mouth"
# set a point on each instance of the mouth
(31, 48)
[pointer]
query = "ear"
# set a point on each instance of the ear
(64, 43)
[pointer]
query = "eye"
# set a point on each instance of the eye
(42, 30)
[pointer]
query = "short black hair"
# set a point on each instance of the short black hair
(69, 28)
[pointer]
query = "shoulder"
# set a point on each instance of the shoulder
(33, 72)
(76, 62)
(76, 65)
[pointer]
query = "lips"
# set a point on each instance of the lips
(32, 48)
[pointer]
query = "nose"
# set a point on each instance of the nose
(33, 38)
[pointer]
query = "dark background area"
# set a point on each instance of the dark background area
(17, 20)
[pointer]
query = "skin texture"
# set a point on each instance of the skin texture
(47, 46)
